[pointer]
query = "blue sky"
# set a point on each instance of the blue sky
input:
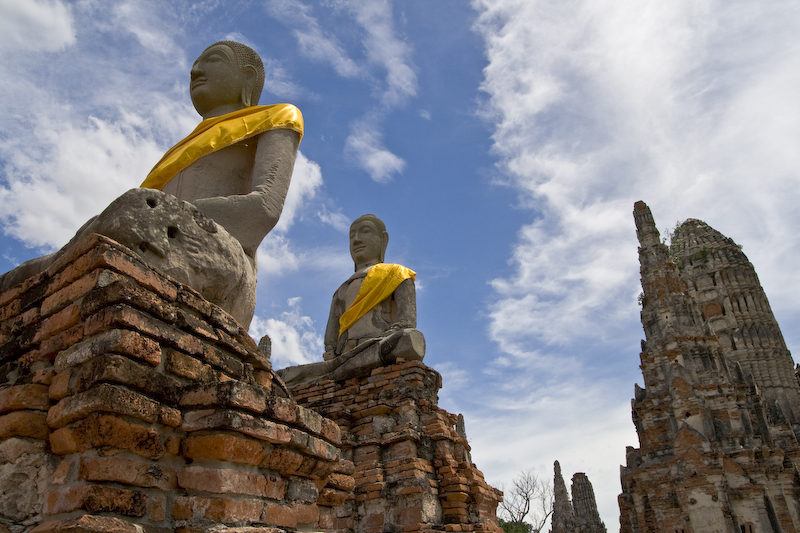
(503, 142)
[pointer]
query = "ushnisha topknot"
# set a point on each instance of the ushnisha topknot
(247, 57)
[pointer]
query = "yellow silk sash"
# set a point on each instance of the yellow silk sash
(380, 282)
(219, 132)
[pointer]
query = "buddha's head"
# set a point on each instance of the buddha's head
(368, 240)
(226, 77)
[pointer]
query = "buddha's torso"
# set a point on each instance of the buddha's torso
(225, 172)
(374, 322)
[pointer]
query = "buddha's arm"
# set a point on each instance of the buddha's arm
(250, 217)
(332, 329)
(405, 296)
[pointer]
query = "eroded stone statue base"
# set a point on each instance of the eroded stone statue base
(177, 239)
(407, 344)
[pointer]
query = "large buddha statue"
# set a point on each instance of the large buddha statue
(373, 315)
(203, 210)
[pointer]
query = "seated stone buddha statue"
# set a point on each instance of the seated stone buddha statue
(203, 210)
(373, 316)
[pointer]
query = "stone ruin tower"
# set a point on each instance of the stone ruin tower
(580, 515)
(130, 404)
(717, 448)
(725, 286)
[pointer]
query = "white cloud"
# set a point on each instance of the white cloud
(599, 104)
(313, 41)
(365, 146)
(338, 220)
(35, 25)
(306, 180)
(294, 339)
(386, 49)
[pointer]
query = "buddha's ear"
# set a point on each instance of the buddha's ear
(248, 86)
(384, 244)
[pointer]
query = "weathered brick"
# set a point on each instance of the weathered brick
(24, 397)
(259, 428)
(50, 347)
(124, 371)
(220, 510)
(226, 394)
(128, 471)
(228, 481)
(100, 430)
(75, 290)
(96, 499)
(67, 317)
(188, 367)
(341, 482)
(332, 497)
(118, 341)
(224, 447)
(125, 291)
(88, 524)
(283, 461)
(126, 317)
(59, 387)
(31, 424)
(103, 398)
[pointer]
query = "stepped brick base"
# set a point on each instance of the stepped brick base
(129, 403)
(413, 471)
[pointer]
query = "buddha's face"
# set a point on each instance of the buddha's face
(366, 242)
(217, 80)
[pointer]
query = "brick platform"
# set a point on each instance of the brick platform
(129, 403)
(413, 471)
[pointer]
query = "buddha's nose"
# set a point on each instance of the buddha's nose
(196, 72)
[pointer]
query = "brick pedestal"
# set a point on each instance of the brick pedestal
(413, 471)
(128, 403)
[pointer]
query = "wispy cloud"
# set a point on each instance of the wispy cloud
(314, 42)
(365, 146)
(598, 104)
(294, 339)
(41, 25)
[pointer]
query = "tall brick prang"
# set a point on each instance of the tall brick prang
(715, 455)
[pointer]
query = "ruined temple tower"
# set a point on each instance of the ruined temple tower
(725, 286)
(715, 454)
(580, 515)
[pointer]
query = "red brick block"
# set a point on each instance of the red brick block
(66, 318)
(125, 371)
(283, 461)
(224, 447)
(126, 317)
(220, 510)
(103, 398)
(117, 341)
(88, 524)
(229, 481)
(75, 290)
(24, 397)
(96, 499)
(234, 394)
(188, 367)
(59, 387)
(31, 424)
(50, 347)
(259, 428)
(333, 498)
(125, 291)
(279, 515)
(100, 430)
(128, 472)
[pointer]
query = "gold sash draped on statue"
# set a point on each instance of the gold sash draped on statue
(219, 132)
(380, 282)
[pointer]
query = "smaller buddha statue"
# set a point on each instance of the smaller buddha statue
(373, 316)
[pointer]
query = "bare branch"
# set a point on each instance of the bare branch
(528, 497)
